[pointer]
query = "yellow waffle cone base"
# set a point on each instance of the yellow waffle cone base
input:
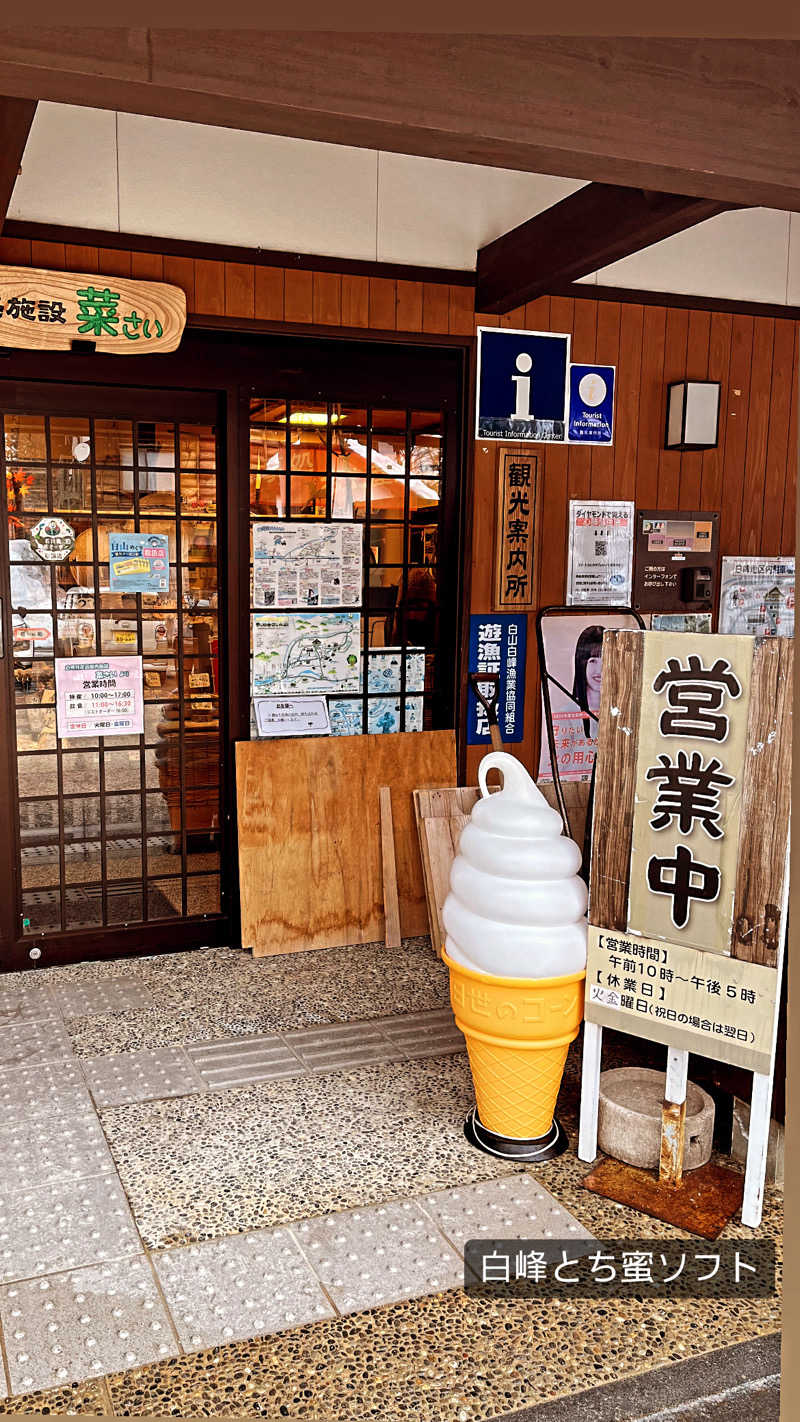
(518, 1032)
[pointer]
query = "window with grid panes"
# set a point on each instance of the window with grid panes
(382, 468)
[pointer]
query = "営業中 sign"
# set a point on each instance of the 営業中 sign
(591, 404)
(600, 552)
(99, 696)
(521, 385)
(138, 562)
(515, 541)
(497, 647)
(43, 310)
(691, 820)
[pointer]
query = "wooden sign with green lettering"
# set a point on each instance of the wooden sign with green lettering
(44, 310)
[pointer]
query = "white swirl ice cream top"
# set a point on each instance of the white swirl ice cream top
(516, 906)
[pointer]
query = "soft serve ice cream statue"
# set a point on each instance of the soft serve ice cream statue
(516, 906)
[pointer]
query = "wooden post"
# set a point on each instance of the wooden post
(590, 1090)
(391, 905)
(673, 1118)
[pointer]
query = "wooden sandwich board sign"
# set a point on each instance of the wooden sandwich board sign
(44, 310)
(689, 873)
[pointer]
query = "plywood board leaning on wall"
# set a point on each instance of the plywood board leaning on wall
(310, 836)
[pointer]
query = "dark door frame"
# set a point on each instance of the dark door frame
(227, 360)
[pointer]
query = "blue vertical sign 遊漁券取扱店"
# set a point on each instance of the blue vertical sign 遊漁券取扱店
(522, 385)
(591, 404)
(497, 647)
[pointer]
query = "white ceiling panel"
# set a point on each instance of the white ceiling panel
(69, 169)
(190, 181)
(739, 255)
(434, 213)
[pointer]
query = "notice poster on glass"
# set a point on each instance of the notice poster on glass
(305, 652)
(138, 562)
(757, 597)
(99, 696)
(600, 551)
(307, 565)
(681, 622)
(573, 649)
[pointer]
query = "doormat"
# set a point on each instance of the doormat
(702, 1204)
(84, 906)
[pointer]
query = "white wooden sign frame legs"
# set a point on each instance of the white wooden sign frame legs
(675, 1091)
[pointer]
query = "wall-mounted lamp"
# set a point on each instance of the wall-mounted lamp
(692, 414)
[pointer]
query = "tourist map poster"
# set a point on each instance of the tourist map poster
(307, 564)
(306, 652)
(757, 597)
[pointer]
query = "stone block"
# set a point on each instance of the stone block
(629, 1118)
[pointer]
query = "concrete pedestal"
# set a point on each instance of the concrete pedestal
(629, 1118)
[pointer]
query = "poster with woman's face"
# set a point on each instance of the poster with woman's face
(574, 657)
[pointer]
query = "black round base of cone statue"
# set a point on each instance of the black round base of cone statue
(545, 1147)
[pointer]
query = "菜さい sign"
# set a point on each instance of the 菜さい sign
(522, 385)
(687, 886)
(44, 310)
(497, 648)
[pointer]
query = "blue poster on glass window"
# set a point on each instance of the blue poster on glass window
(591, 404)
(497, 646)
(138, 562)
(522, 385)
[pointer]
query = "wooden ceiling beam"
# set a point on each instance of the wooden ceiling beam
(16, 117)
(713, 118)
(588, 230)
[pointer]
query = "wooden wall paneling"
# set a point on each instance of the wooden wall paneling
(355, 300)
(435, 308)
(209, 287)
(382, 303)
(735, 416)
(49, 255)
(147, 266)
(113, 262)
(310, 837)
(517, 320)
(696, 369)
(778, 461)
(461, 315)
(584, 349)
(240, 290)
(552, 502)
(268, 302)
(81, 259)
(788, 533)
(758, 417)
(15, 251)
(719, 358)
(766, 799)
(615, 782)
(326, 298)
(533, 316)
(676, 337)
(651, 407)
(180, 272)
(409, 305)
(607, 353)
(628, 397)
(298, 296)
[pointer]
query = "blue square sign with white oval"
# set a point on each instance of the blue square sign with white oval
(591, 404)
(522, 385)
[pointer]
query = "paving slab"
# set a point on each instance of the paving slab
(25, 1001)
(64, 1226)
(25, 1043)
(337, 1048)
(245, 1287)
(86, 999)
(237, 1061)
(517, 1207)
(49, 1147)
(379, 1255)
(82, 1324)
(151, 1075)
